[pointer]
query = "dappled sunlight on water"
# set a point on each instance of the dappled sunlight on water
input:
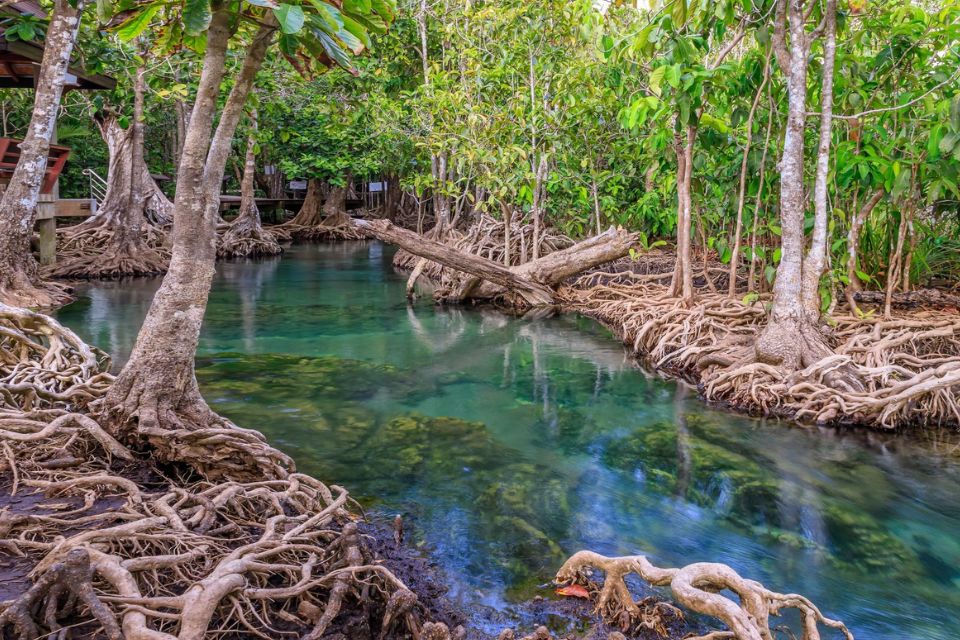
(509, 444)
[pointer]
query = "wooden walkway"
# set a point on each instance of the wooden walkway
(265, 204)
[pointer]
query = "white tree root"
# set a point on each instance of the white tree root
(43, 364)
(191, 560)
(96, 249)
(697, 587)
(880, 372)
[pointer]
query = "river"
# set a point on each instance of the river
(508, 444)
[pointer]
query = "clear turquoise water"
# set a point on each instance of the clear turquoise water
(509, 444)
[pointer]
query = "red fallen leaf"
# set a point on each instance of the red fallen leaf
(574, 590)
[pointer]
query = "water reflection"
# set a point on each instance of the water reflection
(509, 444)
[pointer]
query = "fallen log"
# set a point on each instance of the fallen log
(532, 292)
(484, 279)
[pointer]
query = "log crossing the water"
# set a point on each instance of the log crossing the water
(534, 281)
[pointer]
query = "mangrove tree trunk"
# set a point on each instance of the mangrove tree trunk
(20, 283)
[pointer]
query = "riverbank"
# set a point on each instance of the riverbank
(882, 370)
(154, 549)
(906, 367)
(508, 444)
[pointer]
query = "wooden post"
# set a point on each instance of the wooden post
(47, 226)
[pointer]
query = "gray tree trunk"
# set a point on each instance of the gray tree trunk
(20, 283)
(815, 263)
(156, 394)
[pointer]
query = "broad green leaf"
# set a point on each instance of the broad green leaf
(769, 273)
(357, 30)
(136, 25)
(196, 16)
(290, 17)
(386, 9)
(656, 79)
(672, 75)
(336, 50)
(357, 6)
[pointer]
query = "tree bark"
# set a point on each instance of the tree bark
(507, 212)
(335, 207)
(682, 283)
(536, 210)
(814, 265)
(156, 395)
(246, 236)
(117, 233)
(311, 211)
(759, 200)
(534, 293)
(741, 194)
(853, 245)
(20, 283)
(791, 338)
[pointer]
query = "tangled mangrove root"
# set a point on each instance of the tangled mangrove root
(334, 227)
(44, 365)
(97, 248)
(27, 289)
(125, 550)
(246, 240)
(906, 369)
(698, 587)
(189, 560)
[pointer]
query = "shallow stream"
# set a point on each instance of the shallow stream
(508, 444)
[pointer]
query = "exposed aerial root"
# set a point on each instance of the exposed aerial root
(20, 289)
(97, 251)
(126, 552)
(333, 227)
(699, 587)
(189, 561)
(45, 365)
(244, 241)
(881, 372)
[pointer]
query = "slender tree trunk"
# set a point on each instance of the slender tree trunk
(507, 211)
(790, 339)
(20, 283)
(682, 282)
(741, 195)
(156, 394)
(896, 260)
(853, 245)
(759, 200)
(815, 263)
(539, 195)
(596, 203)
(183, 123)
(113, 243)
(246, 236)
